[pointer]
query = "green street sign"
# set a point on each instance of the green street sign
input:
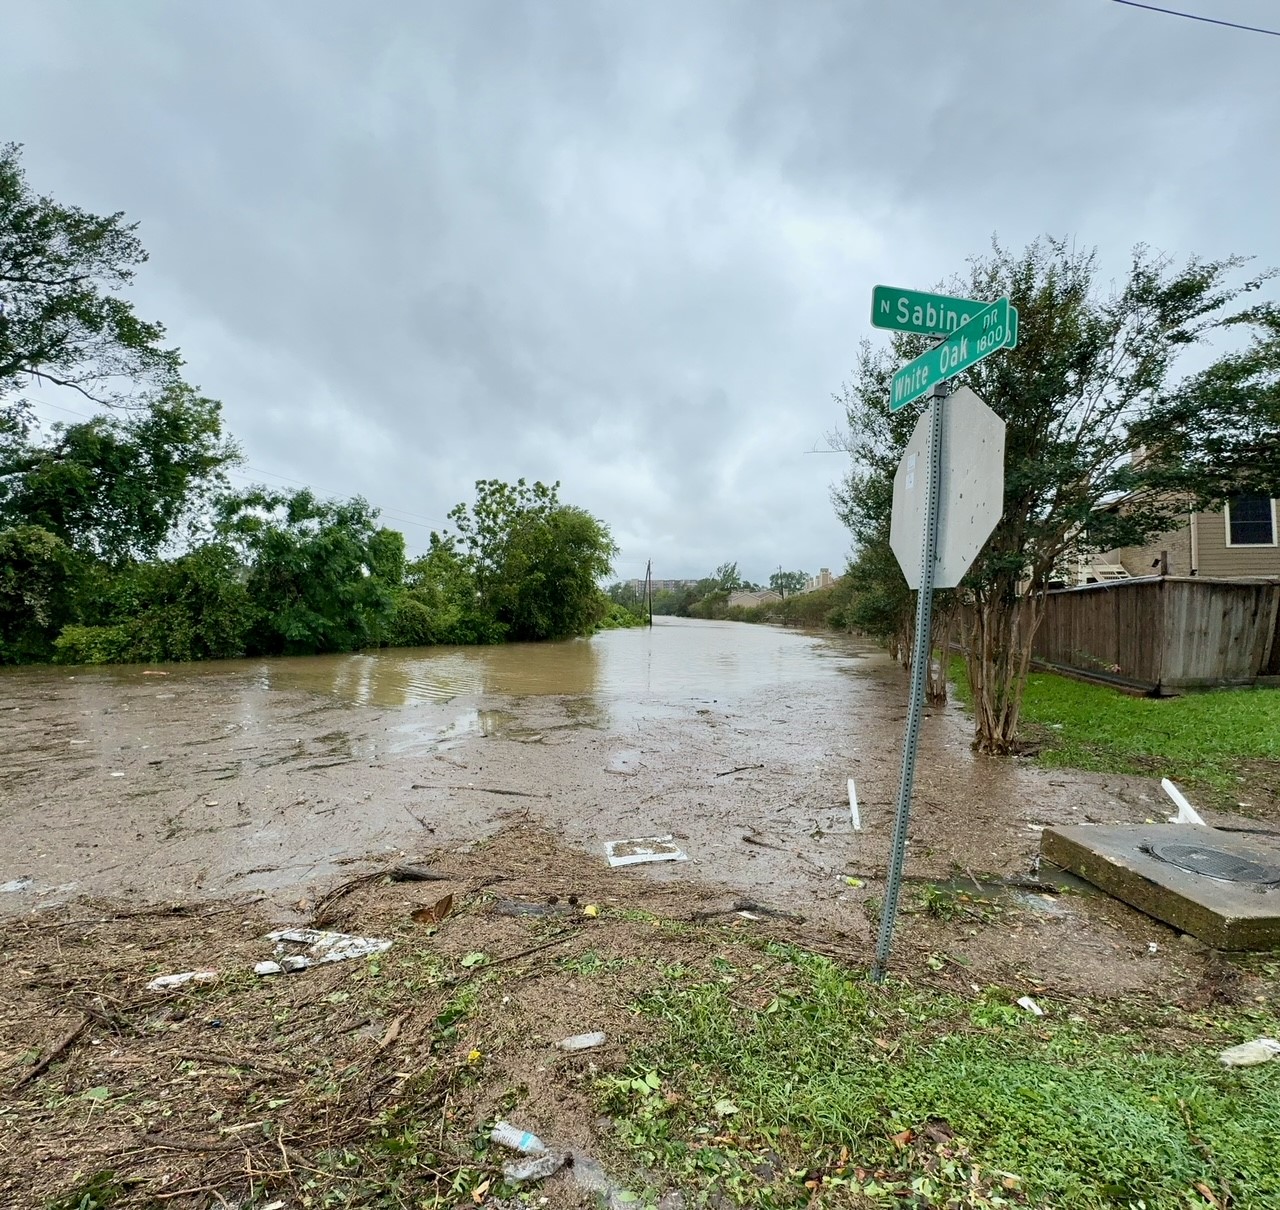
(929, 314)
(915, 311)
(990, 329)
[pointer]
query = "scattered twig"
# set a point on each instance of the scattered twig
(53, 1054)
(210, 1056)
(738, 769)
(763, 844)
(164, 1143)
(480, 790)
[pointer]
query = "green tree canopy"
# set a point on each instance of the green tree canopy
(61, 269)
(537, 564)
(118, 487)
(321, 574)
(1217, 434)
(788, 583)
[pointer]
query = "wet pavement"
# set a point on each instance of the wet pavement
(271, 776)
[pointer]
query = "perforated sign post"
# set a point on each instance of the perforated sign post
(948, 495)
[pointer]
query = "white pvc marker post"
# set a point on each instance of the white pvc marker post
(854, 817)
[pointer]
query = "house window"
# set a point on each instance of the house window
(1251, 521)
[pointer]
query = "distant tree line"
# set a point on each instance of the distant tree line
(122, 540)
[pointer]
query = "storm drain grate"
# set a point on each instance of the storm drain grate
(1213, 863)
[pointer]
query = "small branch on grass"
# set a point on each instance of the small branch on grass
(53, 1054)
(1201, 1146)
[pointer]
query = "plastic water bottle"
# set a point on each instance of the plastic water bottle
(517, 1139)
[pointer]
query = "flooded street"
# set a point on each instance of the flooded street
(271, 777)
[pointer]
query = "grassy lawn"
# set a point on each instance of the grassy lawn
(1226, 741)
(832, 1089)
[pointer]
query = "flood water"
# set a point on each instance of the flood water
(270, 775)
(676, 659)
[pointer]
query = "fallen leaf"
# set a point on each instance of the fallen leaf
(475, 958)
(724, 1108)
(436, 912)
(1011, 1182)
(478, 1193)
(591, 910)
(474, 1056)
(1207, 1193)
(902, 1138)
(393, 1031)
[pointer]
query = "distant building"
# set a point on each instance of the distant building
(824, 579)
(662, 585)
(749, 600)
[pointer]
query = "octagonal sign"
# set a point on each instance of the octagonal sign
(971, 499)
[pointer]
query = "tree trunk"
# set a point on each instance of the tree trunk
(936, 687)
(1001, 634)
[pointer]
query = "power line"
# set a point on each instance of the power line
(1173, 12)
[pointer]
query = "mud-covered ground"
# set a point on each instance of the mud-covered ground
(154, 821)
(273, 779)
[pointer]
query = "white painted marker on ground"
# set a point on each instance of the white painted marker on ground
(1186, 812)
(853, 807)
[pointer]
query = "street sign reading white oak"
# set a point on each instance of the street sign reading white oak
(974, 340)
(970, 490)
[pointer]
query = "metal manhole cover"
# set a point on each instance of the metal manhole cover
(1213, 863)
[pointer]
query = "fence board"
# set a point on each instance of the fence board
(1169, 632)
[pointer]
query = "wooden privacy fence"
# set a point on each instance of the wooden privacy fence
(1165, 633)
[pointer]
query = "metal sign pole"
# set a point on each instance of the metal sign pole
(919, 674)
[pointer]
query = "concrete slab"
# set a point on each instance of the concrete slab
(1160, 869)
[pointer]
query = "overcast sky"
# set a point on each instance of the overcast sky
(626, 246)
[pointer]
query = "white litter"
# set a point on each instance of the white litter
(321, 947)
(1186, 812)
(164, 983)
(1152, 947)
(581, 1042)
(1250, 1054)
(17, 884)
(853, 807)
(1030, 1005)
(643, 848)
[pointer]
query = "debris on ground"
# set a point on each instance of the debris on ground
(642, 849)
(164, 983)
(507, 1135)
(535, 1168)
(581, 1042)
(518, 907)
(322, 947)
(1250, 1054)
(435, 913)
(14, 885)
(1030, 1005)
(854, 817)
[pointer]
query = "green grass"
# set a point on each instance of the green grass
(801, 1096)
(1200, 740)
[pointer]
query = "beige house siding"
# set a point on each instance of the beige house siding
(1199, 548)
(1139, 560)
(1216, 558)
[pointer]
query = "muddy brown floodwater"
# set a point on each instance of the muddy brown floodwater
(271, 777)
